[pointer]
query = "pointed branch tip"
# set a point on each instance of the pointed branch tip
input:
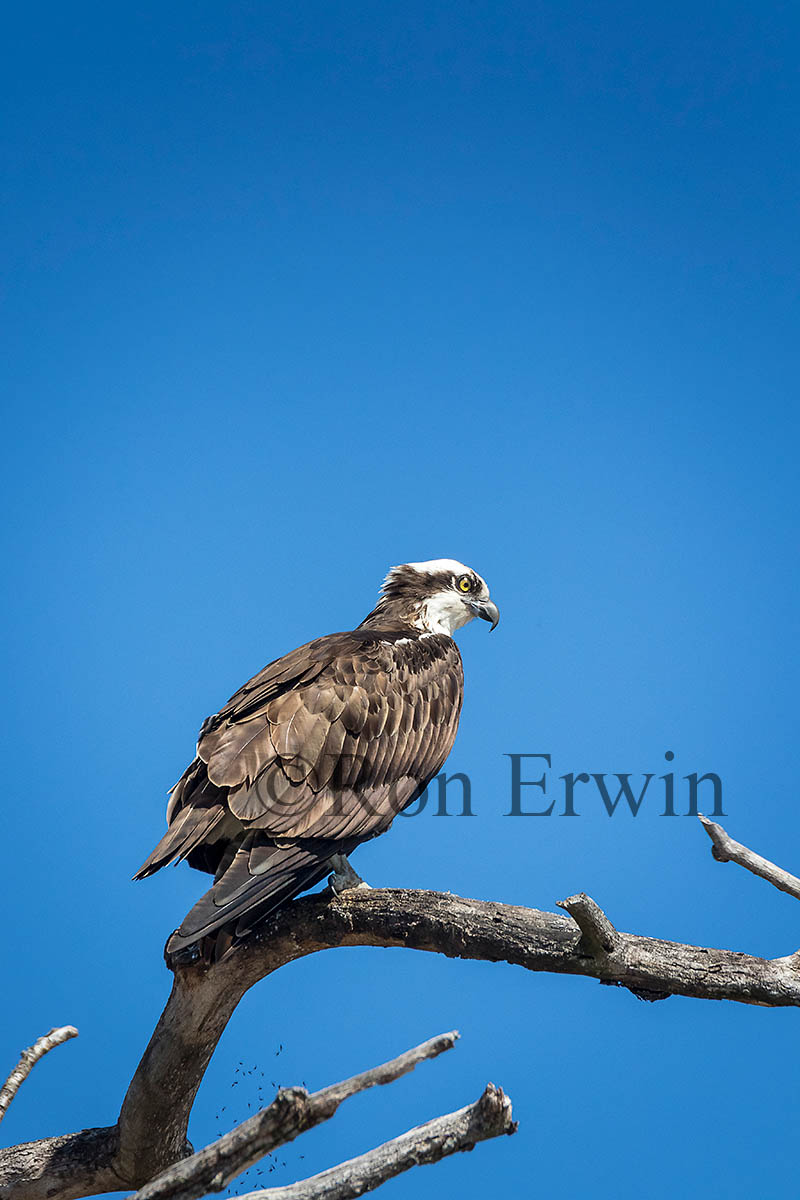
(28, 1060)
(725, 849)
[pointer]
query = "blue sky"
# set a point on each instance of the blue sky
(294, 293)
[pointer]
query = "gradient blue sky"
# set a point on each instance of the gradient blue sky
(292, 293)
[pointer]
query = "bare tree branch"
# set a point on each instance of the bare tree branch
(489, 1117)
(71, 1165)
(28, 1060)
(725, 849)
(150, 1135)
(292, 1112)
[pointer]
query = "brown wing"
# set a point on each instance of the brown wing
(314, 755)
(318, 752)
(200, 822)
(345, 746)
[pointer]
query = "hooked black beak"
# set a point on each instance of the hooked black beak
(485, 609)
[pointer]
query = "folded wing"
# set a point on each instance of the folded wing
(317, 753)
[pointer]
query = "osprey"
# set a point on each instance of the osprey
(319, 752)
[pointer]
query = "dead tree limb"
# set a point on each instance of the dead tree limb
(28, 1060)
(150, 1135)
(488, 1117)
(291, 1113)
(725, 849)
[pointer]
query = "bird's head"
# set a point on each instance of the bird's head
(437, 596)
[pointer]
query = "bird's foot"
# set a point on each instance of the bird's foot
(344, 877)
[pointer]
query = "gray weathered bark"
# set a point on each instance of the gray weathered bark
(489, 1116)
(291, 1113)
(150, 1134)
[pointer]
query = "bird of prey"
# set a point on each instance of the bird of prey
(318, 753)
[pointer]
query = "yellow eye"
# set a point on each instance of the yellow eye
(465, 583)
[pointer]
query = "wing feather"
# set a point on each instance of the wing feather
(315, 754)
